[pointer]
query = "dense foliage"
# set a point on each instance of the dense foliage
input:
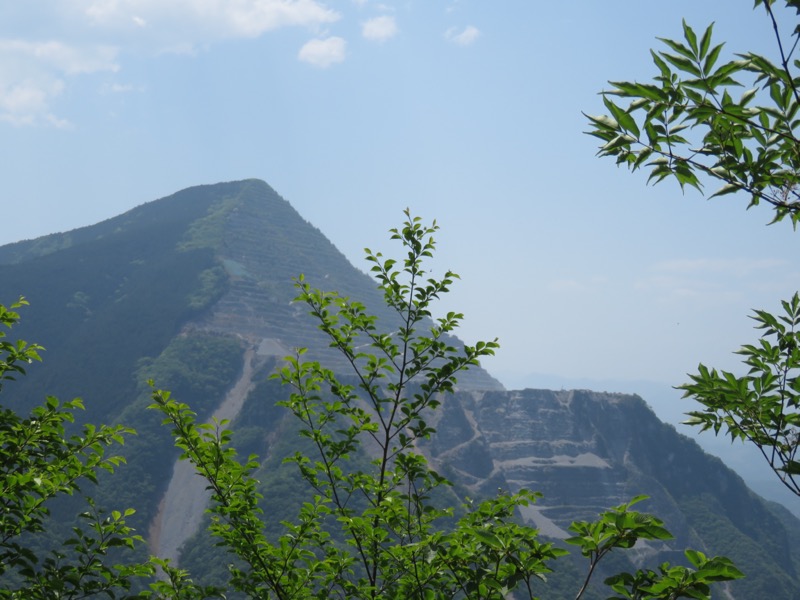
(691, 124)
(370, 529)
(39, 460)
(687, 124)
(760, 407)
(393, 540)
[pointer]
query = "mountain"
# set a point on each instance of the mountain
(586, 451)
(195, 291)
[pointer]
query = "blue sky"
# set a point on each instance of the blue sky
(465, 111)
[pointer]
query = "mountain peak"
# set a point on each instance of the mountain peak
(245, 245)
(186, 205)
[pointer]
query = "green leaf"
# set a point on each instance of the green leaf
(711, 59)
(691, 37)
(684, 64)
(666, 73)
(728, 188)
(678, 47)
(625, 120)
(638, 90)
(705, 42)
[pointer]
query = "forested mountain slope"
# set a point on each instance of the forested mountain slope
(195, 291)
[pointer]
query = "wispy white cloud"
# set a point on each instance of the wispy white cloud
(121, 88)
(566, 285)
(28, 102)
(677, 286)
(463, 37)
(730, 266)
(70, 60)
(181, 49)
(187, 26)
(690, 293)
(34, 74)
(323, 53)
(574, 285)
(710, 280)
(379, 29)
(210, 18)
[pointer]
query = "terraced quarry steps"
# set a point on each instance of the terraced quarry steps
(264, 246)
(542, 440)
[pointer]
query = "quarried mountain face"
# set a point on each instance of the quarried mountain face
(587, 451)
(195, 291)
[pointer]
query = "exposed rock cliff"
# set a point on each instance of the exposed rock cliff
(587, 451)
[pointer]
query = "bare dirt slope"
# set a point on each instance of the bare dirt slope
(183, 505)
